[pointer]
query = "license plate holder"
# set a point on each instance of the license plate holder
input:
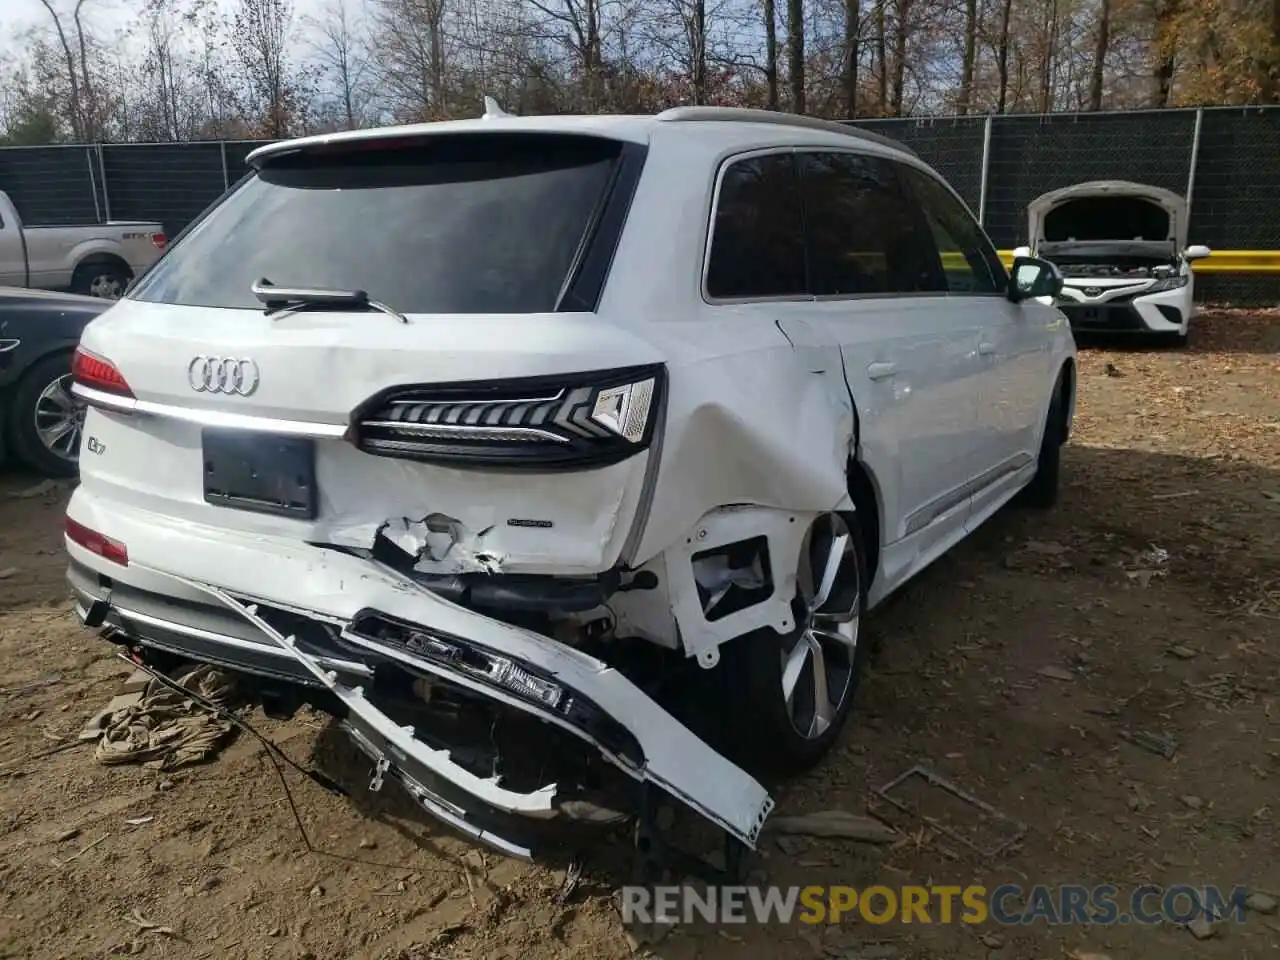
(1089, 315)
(259, 472)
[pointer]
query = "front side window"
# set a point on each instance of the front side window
(866, 235)
(487, 223)
(968, 259)
(757, 239)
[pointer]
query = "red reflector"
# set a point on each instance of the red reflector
(94, 542)
(90, 370)
(159, 239)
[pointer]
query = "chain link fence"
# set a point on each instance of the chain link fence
(1228, 158)
(1234, 193)
(953, 146)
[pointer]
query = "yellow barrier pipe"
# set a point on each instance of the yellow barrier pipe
(1222, 261)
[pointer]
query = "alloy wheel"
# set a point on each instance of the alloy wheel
(818, 658)
(106, 287)
(59, 419)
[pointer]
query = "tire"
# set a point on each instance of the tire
(40, 399)
(101, 278)
(1042, 492)
(762, 729)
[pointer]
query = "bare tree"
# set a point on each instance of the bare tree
(681, 34)
(76, 74)
(969, 62)
(578, 26)
(1002, 55)
(1049, 50)
(795, 53)
(411, 35)
(770, 14)
(901, 35)
(1100, 48)
(261, 34)
(851, 54)
(881, 58)
(185, 69)
(342, 54)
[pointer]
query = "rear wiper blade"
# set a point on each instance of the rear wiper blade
(276, 299)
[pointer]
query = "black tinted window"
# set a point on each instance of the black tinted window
(455, 224)
(969, 261)
(757, 243)
(866, 235)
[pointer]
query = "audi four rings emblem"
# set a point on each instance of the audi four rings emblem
(232, 375)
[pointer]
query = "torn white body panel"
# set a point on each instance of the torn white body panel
(185, 560)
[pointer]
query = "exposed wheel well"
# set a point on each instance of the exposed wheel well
(865, 501)
(104, 260)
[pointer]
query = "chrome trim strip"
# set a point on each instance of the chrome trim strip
(212, 418)
(100, 398)
(936, 508)
(7, 345)
(347, 666)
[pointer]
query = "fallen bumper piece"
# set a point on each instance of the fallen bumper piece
(518, 668)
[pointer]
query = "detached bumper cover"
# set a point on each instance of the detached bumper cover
(207, 579)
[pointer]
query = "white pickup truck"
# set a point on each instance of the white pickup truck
(98, 259)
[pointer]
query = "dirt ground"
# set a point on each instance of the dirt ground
(1148, 601)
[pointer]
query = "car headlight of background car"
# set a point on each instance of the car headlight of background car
(1167, 283)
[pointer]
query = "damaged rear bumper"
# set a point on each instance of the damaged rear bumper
(234, 600)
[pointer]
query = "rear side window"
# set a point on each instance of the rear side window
(490, 223)
(866, 233)
(757, 241)
(969, 261)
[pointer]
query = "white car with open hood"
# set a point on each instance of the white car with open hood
(539, 415)
(1122, 250)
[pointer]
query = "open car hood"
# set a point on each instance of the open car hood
(1174, 206)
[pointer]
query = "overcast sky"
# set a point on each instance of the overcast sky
(105, 18)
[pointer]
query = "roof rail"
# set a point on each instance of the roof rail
(747, 115)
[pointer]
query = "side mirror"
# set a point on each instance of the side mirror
(1197, 251)
(1032, 277)
(1021, 252)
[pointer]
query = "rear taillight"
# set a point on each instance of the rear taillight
(575, 422)
(98, 381)
(159, 240)
(94, 542)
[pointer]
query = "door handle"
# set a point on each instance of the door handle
(881, 370)
(987, 349)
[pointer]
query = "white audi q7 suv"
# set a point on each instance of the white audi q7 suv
(527, 418)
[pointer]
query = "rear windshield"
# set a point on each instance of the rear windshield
(488, 223)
